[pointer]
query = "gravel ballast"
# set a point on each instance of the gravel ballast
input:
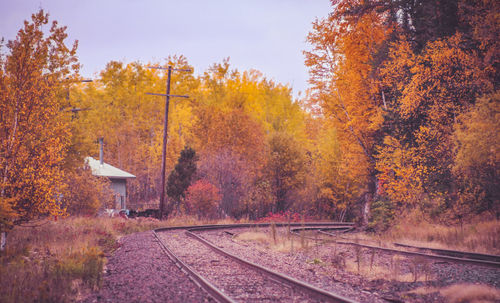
(319, 266)
(139, 271)
(241, 283)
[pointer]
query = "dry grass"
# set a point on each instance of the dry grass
(252, 236)
(61, 261)
(273, 240)
(375, 271)
(479, 237)
(470, 293)
(425, 290)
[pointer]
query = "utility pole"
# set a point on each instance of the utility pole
(165, 131)
(73, 109)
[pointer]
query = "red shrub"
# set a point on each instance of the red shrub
(202, 199)
(281, 217)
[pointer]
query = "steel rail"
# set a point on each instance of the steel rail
(454, 253)
(215, 292)
(203, 283)
(342, 229)
(410, 253)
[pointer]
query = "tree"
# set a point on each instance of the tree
(231, 145)
(133, 124)
(425, 94)
(202, 199)
(477, 155)
(286, 167)
(34, 128)
(337, 179)
(232, 174)
(343, 75)
(181, 176)
(85, 193)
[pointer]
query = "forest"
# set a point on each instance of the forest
(402, 116)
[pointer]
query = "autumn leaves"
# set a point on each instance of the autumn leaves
(402, 111)
(34, 132)
(400, 80)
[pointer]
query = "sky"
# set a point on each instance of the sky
(266, 35)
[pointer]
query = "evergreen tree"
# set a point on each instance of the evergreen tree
(181, 176)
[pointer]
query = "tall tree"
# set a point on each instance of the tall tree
(426, 93)
(34, 128)
(344, 84)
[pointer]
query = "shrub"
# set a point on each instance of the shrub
(283, 216)
(382, 215)
(202, 199)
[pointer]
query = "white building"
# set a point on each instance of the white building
(117, 177)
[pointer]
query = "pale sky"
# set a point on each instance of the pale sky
(267, 35)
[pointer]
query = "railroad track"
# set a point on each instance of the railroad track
(411, 251)
(228, 278)
(454, 253)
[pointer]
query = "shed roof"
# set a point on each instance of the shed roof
(106, 170)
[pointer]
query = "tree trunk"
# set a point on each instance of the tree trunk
(3, 240)
(369, 197)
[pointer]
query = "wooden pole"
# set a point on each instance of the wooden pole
(164, 149)
(165, 133)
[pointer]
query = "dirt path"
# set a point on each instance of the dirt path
(139, 271)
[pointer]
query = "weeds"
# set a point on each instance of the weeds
(372, 259)
(273, 232)
(338, 260)
(303, 240)
(420, 265)
(358, 252)
(395, 267)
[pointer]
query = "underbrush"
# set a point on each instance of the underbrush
(63, 261)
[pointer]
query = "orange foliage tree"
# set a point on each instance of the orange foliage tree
(426, 93)
(34, 128)
(394, 77)
(343, 81)
(286, 168)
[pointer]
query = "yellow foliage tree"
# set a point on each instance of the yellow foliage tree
(286, 168)
(426, 94)
(131, 122)
(477, 155)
